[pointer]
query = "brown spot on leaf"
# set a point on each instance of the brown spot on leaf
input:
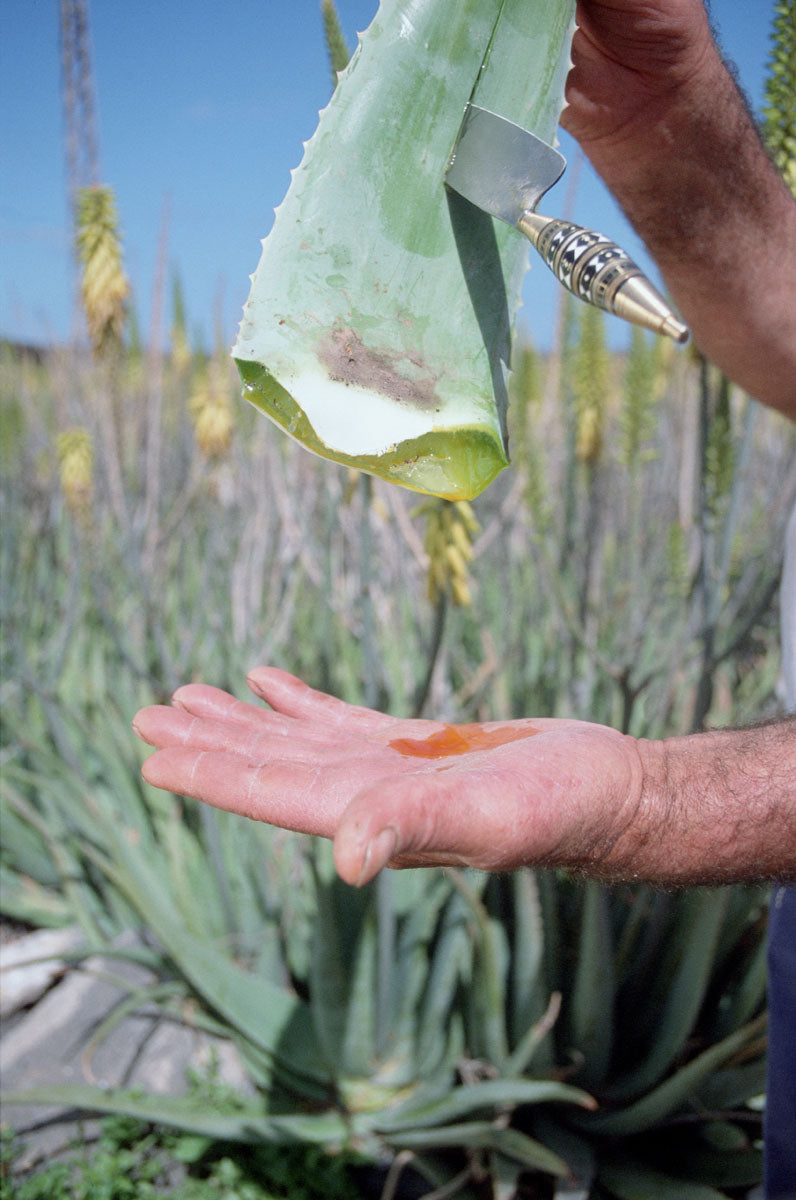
(348, 361)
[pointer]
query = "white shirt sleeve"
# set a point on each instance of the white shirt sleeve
(788, 614)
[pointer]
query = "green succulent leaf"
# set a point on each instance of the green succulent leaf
(635, 1181)
(510, 1143)
(678, 989)
(523, 1149)
(668, 1097)
(479, 1097)
(592, 1000)
(379, 324)
(270, 1016)
(527, 948)
(734, 1086)
(249, 1123)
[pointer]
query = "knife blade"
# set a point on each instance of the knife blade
(505, 170)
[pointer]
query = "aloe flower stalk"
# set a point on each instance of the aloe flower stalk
(104, 285)
(379, 324)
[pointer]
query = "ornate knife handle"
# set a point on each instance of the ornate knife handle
(596, 270)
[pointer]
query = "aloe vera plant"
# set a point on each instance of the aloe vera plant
(412, 1023)
(369, 1057)
(379, 324)
(453, 1041)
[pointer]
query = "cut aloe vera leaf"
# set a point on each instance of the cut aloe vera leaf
(378, 328)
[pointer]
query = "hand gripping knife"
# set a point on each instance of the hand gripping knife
(505, 170)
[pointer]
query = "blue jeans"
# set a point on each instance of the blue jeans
(780, 1115)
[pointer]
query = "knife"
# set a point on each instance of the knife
(505, 170)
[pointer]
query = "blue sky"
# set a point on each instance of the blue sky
(203, 107)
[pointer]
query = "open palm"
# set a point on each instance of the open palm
(397, 792)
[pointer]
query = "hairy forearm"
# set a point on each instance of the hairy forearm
(689, 170)
(716, 807)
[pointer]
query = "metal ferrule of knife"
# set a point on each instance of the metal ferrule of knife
(598, 271)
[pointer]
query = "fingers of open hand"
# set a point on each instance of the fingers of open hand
(302, 796)
(291, 696)
(284, 694)
(202, 700)
(272, 735)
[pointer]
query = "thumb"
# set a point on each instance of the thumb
(459, 816)
(402, 817)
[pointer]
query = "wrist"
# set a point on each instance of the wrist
(645, 822)
(713, 808)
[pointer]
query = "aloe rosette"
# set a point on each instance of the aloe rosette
(378, 328)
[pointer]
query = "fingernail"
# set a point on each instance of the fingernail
(378, 852)
(254, 685)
